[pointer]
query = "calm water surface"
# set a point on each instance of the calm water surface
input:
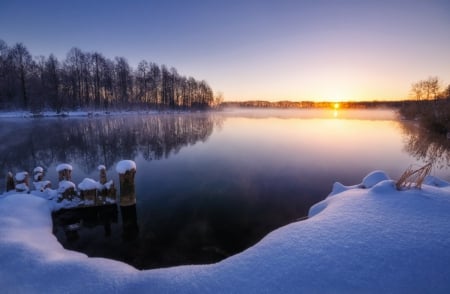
(210, 185)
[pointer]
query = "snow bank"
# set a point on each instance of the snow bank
(125, 165)
(361, 240)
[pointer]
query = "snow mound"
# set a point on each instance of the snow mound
(101, 167)
(368, 181)
(374, 178)
(433, 181)
(125, 165)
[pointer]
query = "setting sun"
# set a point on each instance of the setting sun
(336, 106)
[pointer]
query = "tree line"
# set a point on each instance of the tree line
(310, 104)
(430, 105)
(88, 80)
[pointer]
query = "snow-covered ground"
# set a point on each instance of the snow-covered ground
(368, 238)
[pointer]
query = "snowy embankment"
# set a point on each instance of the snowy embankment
(368, 238)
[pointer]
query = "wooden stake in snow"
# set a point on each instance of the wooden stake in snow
(38, 177)
(66, 189)
(102, 170)
(10, 182)
(88, 191)
(126, 170)
(107, 191)
(38, 174)
(22, 183)
(64, 171)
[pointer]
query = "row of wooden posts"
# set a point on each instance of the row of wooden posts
(91, 192)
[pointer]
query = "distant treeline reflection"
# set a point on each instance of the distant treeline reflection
(89, 142)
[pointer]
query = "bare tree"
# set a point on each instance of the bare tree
(22, 63)
(417, 90)
(52, 82)
(87, 80)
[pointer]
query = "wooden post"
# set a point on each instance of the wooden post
(102, 170)
(10, 182)
(88, 191)
(64, 171)
(66, 190)
(127, 170)
(38, 174)
(22, 183)
(39, 183)
(107, 191)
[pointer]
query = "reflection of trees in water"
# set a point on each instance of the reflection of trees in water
(426, 146)
(88, 142)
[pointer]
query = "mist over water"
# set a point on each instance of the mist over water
(211, 184)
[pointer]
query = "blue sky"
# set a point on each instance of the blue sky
(273, 50)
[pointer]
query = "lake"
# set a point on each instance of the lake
(211, 184)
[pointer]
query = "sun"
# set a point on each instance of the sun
(336, 106)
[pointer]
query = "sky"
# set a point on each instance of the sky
(253, 50)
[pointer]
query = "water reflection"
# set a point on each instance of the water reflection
(129, 222)
(67, 224)
(426, 146)
(88, 142)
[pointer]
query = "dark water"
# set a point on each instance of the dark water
(209, 185)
